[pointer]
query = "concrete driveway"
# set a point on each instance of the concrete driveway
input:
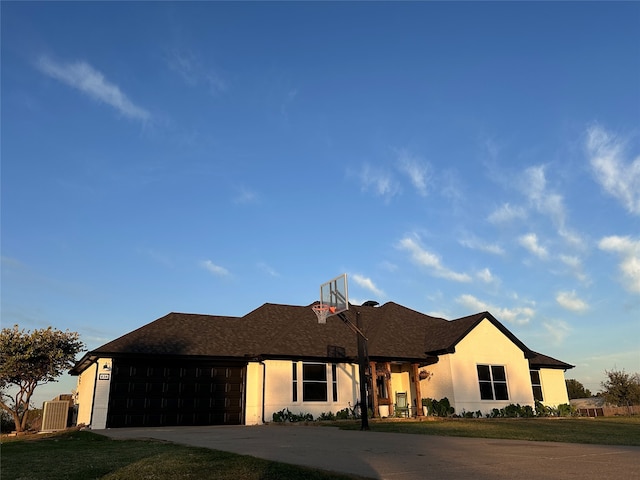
(397, 456)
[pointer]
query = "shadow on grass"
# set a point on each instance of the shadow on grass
(597, 431)
(83, 455)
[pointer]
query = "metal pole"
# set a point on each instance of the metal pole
(362, 362)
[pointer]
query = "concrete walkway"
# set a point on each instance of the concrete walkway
(397, 456)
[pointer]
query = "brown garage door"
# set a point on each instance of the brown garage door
(181, 392)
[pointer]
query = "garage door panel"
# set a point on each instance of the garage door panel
(153, 394)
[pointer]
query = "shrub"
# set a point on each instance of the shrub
(285, 415)
(566, 410)
(327, 416)
(6, 422)
(439, 408)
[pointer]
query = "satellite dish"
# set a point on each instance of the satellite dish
(370, 303)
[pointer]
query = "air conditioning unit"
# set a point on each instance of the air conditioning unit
(54, 416)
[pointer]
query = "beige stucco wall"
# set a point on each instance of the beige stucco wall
(253, 398)
(278, 390)
(554, 387)
(485, 344)
(93, 394)
(440, 384)
(101, 395)
(84, 394)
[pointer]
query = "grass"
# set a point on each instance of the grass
(600, 430)
(82, 455)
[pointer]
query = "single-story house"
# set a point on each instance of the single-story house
(190, 369)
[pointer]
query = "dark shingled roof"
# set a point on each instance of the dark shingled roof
(394, 332)
(539, 360)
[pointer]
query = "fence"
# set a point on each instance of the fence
(609, 411)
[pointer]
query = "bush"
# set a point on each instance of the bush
(285, 415)
(326, 416)
(439, 408)
(566, 410)
(6, 422)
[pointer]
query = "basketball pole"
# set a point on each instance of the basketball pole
(363, 365)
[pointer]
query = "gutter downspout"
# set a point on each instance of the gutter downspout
(93, 395)
(264, 380)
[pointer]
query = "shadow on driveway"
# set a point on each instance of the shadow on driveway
(399, 456)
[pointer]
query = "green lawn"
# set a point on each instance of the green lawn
(87, 456)
(601, 430)
(83, 455)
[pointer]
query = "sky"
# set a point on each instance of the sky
(211, 157)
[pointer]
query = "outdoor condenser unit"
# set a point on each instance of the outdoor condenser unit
(55, 415)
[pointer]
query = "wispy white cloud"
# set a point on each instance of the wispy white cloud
(507, 213)
(379, 181)
(476, 244)
(487, 277)
(213, 268)
(571, 301)
(367, 284)
(557, 330)
(530, 242)
(516, 316)
(245, 196)
(388, 266)
(430, 261)
(618, 178)
(628, 249)
(267, 269)
(91, 82)
(418, 171)
(575, 266)
(548, 203)
(190, 67)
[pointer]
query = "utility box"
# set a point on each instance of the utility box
(55, 415)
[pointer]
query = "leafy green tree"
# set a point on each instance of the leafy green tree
(621, 389)
(575, 389)
(29, 359)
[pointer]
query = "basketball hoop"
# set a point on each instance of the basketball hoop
(322, 311)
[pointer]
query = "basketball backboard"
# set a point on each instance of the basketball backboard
(335, 294)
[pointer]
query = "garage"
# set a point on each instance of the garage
(170, 392)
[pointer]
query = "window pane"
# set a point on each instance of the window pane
(486, 393)
(315, 372)
(295, 381)
(483, 373)
(501, 391)
(334, 379)
(537, 392)
(535, 377)
(314, 392)
(498, 374)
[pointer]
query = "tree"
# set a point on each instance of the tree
(621, 389)
(575, 389)
(29, 359)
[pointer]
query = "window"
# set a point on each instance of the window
(295, 381)
(536, 385)
(314, 382)
(334, 379)
(493, 382)
(381, 386)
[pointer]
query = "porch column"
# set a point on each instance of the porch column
(416, 383)
(387, 384)
(374, 388)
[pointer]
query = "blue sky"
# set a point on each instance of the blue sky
(211, 157)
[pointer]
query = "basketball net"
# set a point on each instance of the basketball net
(323, 311)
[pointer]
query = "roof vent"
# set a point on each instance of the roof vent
(370, 303)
